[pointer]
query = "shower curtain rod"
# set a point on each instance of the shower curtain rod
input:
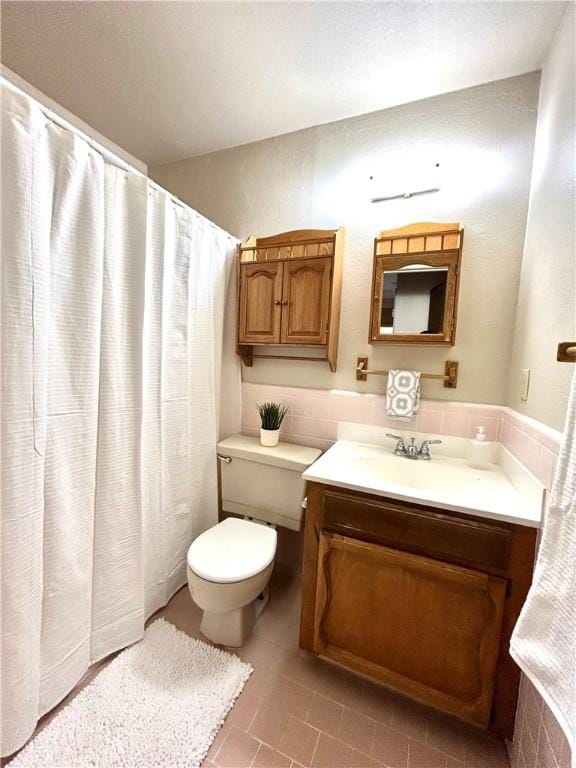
(108, 155)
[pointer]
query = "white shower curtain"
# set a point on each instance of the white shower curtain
(112, 315)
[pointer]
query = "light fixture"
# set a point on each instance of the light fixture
(405, 195)
(406, 180)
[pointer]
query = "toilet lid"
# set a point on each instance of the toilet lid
(233, 550)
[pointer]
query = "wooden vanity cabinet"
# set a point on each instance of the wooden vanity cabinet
(289, 288)
(422, 600)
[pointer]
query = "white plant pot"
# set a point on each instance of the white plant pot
(269, 437)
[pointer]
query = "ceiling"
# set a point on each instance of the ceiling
(168, 80)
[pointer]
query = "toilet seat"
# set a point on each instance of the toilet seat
(233, 550)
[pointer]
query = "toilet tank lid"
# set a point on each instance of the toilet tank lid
(233, 550)
(286, 455)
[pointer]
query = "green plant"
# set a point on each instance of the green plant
(272, 415)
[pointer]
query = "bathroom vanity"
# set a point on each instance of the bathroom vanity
(415, 573)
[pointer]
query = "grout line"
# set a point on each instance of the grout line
(257, 751)
(316, 748)
(251, 723)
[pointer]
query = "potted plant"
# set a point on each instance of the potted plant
(271, 417)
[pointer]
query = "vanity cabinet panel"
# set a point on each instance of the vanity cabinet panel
(260, 303)
(420, 530)
(379, 608)
(306, 301)
(421, 599)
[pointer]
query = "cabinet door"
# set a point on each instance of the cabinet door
(306, 301)
(260, 303)
(426, 628)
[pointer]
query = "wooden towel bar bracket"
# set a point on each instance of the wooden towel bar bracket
(566, 352)
(449, 377)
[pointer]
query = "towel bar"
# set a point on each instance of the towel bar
(566, 352)
(449, 377)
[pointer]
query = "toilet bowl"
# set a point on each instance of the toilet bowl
(230, 564)
(229, 567)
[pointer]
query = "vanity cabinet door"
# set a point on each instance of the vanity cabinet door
(260, 303)
(426, 628)
(306, 301)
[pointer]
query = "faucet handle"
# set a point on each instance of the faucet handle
(400, 449)
(424, 451)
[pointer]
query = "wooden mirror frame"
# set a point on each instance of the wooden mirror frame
(436, 244)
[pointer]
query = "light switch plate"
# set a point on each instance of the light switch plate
(525, 384)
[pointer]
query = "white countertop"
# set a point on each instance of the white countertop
(500, 492)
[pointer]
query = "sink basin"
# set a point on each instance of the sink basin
(396, 470)
(444, 482)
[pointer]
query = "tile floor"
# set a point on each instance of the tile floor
(298, 711)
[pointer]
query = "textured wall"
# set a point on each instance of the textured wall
(483, 138)
(546, 311)
(546, 314)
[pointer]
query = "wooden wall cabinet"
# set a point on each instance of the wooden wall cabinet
(289, 292)
(420, 599)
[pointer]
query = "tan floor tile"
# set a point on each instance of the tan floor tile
(331, 753)
(269, 724)
(219, 739)
(390, 747)
(410, 718)
(309, 671)
(264, 652)
(449, 736)
(238, 751)
(423, 756)
(325, 715)
(274, 629)
(347, 688)
(244, 710)
(377, 702)
(294, 698)
(299, 741)
(484, 751)
(357, 731)
(270, 758)
(261, 681)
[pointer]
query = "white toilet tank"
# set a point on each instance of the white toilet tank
(264, 483)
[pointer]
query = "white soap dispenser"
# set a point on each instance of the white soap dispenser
(480, 450)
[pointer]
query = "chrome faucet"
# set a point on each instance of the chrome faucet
(424, 452)
(411, 451)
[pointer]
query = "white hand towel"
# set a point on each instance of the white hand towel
(403, 394)
(544, 640)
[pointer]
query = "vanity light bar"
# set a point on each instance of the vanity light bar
(404, 195)
(566, 352)
(450, 376)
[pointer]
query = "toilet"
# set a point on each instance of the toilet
(230, 564)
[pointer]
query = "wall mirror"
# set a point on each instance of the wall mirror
(415, 284)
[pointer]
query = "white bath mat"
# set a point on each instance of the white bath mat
(159, 703)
